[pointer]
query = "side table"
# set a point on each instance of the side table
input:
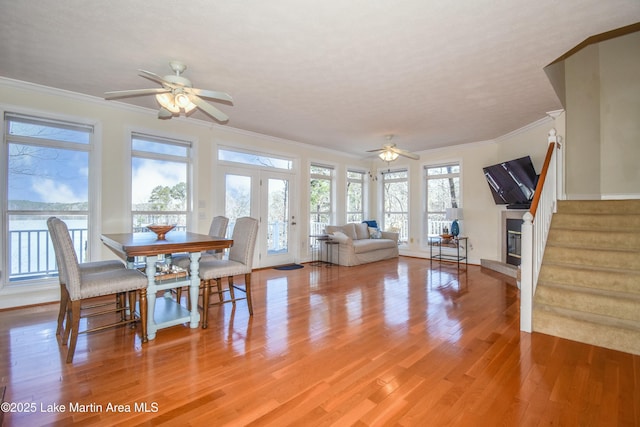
(316, 248)
(455, 242)
(330, 245)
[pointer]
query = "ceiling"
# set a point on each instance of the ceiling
(332, 73)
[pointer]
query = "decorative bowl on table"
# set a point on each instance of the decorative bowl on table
(161, 230)
(446, 238)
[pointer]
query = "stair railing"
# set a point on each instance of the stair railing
(535, 229)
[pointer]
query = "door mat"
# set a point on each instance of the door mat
(288, 267)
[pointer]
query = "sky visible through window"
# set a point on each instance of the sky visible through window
(45, 171)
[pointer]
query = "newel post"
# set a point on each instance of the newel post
(526, 274)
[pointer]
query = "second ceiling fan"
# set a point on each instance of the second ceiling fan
(389, 152)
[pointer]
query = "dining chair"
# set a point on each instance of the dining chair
(82, 286)
(240, 261)
(85, 267)
(218, 228)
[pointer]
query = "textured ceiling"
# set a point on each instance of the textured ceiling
(337, 74)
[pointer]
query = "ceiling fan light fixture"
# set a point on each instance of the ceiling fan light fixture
(176, 103)
(168, 101)
(388, 155)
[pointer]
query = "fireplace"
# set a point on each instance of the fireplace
(511, 227)
(513, 244)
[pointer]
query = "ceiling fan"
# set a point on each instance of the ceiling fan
(389, 152)
(176, 94)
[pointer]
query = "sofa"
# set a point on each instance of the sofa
(361, 244)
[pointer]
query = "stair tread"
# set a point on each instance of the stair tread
(601, 292)
(593, 318)
(590, 267)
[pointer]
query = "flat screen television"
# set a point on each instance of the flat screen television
(512, 183)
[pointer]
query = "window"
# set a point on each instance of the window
(47, 174)
(395, 202)
(443, 191)
(160, 187)
(355, 196)
(320, 198)
(254, 159)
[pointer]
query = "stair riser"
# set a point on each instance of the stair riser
(620, 339)
(599, 206)
(595, 239)
(618, 308)
(593, 279)
(592, 258)
(595, 222)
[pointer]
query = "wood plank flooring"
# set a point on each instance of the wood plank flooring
(392, 343)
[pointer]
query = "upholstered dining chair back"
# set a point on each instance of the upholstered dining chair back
(68, 266)
(218, 226)
(244, 235)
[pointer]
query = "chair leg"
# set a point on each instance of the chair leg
(205, 303)
(75, 325)
(232, 292)
(143, 313)
(67, 325)
(132, 306)
(122, 305)
(64, 300)
(247, 284)
(179, 295)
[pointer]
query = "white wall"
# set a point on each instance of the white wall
(603, 106)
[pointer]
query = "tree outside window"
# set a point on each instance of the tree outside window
(159, 181)
(47, 174)
(320, 197)
(355, 196)
(395, 195)
(443, 191)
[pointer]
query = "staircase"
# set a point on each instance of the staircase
(589, 284)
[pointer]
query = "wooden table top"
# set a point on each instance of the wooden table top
(147, 244)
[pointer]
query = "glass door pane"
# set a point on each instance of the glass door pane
(275, 207)
(237, 198)
(278, 216)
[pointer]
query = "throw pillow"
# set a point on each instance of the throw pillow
(350, 230)
(374, 233)
(339, 237)
(372, 223)
(362, 231)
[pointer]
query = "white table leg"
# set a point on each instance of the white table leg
(194, 288)
(151, 296)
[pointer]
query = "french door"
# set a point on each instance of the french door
(265, 195)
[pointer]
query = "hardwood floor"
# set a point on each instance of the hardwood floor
(392, 343)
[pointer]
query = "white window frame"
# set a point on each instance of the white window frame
(403, 240)
(188, 160)
(426, 177)
(332, 186)
(364, 199)
(93, 148)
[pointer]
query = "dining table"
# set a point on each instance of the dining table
(166, 312)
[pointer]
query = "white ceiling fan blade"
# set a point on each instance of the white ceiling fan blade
(134, 92)
(212, 94)
(376, 150)
(405, 153)
(209, 109)
(154, 77)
